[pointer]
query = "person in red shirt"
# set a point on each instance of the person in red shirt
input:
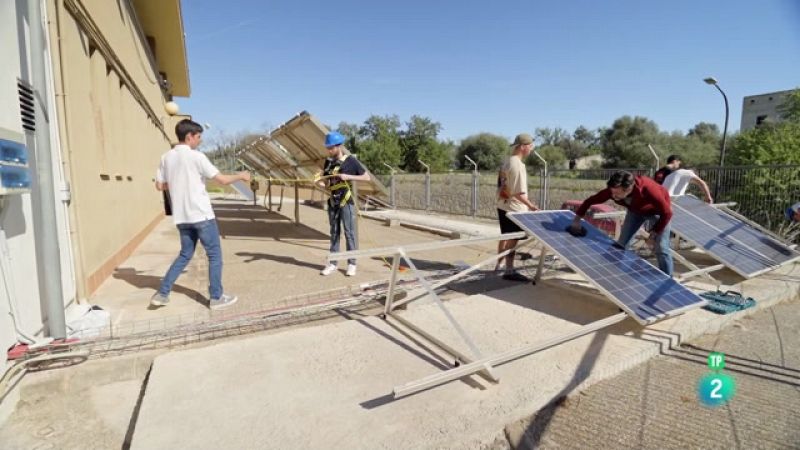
(647, 203)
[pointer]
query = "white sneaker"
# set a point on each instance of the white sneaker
(329, 269)
(351, 270)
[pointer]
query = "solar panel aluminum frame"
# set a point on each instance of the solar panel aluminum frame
(746, 275)
(599, 287)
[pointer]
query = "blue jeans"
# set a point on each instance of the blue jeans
(208, 234)
(632, 224)
(343, 217)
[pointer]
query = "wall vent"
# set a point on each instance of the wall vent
(26, 106)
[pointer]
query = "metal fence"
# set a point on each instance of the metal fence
(761, 193)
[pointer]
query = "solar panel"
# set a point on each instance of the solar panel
(635, 285)
(243, 189)
(745, 249)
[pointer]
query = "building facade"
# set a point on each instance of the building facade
(84, 95)
(757, 109)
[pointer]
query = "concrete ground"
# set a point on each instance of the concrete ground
(267, 260)
(331, 385)
(655, 406)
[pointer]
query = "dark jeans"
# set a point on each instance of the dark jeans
(632, 224)
(208, 234)
(343, 217)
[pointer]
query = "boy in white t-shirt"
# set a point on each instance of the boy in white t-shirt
(677, 180)
(184, 171)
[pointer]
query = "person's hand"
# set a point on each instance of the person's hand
(575, 226)
(709, 199)
(345, 177)
(244, 175)
(533, 208)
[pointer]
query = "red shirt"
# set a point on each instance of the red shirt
(647, 198)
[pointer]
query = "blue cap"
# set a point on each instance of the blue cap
(333, 138)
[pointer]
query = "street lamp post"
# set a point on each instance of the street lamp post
(713, 81)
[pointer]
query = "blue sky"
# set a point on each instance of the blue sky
(502, 67)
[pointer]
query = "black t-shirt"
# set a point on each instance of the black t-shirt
(661, 174)
(349, 166)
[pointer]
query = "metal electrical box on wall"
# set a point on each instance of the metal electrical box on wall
(15, 175)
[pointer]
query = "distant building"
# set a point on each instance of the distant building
(757, 109)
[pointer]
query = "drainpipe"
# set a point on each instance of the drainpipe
(47, 230)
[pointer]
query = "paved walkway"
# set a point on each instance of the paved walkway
(654, 406)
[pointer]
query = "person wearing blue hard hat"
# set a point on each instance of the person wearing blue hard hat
(793, 212)
(340, 169)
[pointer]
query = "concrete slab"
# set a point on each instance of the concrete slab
(464, 226)
(267, 260)
(330, 386)
(86, 406)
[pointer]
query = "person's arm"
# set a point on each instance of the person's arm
(228, 179)
(161, 180)
(348, 177)
(600, 197)
(699, 181)
(352, 170)
(523, 198)
(162, 186)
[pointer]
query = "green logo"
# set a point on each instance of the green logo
(716, 361)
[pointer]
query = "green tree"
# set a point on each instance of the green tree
(551, 136)
(767, 144)
(624, 145)
(585, 136)
(351, 133)
(553, 154)
(379, 143)
(790, 109)
(486, 149)
(420, 142)
(707, 132)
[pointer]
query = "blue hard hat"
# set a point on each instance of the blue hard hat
(333, 138)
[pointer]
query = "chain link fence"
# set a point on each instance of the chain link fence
(761, 193)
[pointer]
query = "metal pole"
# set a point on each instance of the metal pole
(475, 366)
(655, 156)
(427, 185)
(47, 248)
(543, 194)
(269, 192)
(392, 197)
(474, 205)
(296, 203)
(713, 81)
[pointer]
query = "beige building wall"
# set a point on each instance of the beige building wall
(113, 129)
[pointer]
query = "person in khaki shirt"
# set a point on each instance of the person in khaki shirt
(512, 195)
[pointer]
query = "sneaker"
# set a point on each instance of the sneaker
(329, 269)
(159, 300)
(223, 302)
(515, 276)
(351, 270)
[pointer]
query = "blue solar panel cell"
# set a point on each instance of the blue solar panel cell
(745, 249)
(646, 293)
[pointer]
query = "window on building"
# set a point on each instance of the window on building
(761, 119)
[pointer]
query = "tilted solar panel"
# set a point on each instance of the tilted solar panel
(639, 288)
(743, 248)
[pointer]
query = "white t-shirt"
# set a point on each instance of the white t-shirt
(512, 179)
(186, 171)
(677, 181)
